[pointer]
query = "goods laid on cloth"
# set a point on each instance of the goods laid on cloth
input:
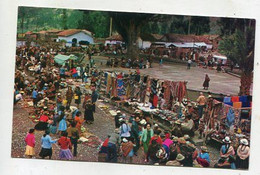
(92, 141)
(61, 59)
(224, 119)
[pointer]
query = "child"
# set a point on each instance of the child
(30, 144)
(65, 145)
(78, 120)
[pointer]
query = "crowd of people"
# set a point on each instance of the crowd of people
(52, 95)
(129, 63)
(137, 134)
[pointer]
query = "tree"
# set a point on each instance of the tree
(199, 25)
(164, 28)
(129, 26)
(239, 48)
(155, 27)
(64, 19)
(97, 22)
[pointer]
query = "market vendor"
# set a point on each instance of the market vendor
(227, 152)
(188, 125)
(203, 157)
(43, 121)
(117, 117)
(177, 130)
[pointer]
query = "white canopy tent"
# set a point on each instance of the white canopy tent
(220, 58)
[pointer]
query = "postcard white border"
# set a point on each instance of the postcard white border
(8, 19)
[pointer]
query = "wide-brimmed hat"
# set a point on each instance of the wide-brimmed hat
(182, 140)
(121, 119)
(161, 153)
(175, 139)
(143, 122)
(177, 122)
(180, 157)
(244, 141)
(227, 140)
(186, 136)
(204, 148)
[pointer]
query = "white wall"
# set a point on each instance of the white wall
(143, 44)
(113, 42)
(81, 36)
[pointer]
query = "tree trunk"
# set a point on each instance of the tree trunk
(246, 81)
(132, 46)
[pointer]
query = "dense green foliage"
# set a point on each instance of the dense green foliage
(37, 19)
(239, 41)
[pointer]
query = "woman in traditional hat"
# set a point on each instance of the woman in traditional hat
(127, 149)
(46, 145)
(243, 152)
(203, 157)
(227, 151)
(88, 114)
(206, 82)
(69, 95)
(146, 136)
(77, 96)
(177, 162)
(62, 124)
(43, 121)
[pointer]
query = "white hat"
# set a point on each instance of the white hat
(118, 111)
(244, 141)
(121, 119)
(143, 122)
(125, 140)
(180, 157)
(186, 136)
(226, 140)
(59, 93)
(155, 124)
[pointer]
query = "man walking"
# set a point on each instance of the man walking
(202, 103)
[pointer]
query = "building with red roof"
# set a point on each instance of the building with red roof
(76, 37)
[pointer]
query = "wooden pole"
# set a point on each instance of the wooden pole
(111, 25)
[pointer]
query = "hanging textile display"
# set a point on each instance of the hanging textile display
(120, 87)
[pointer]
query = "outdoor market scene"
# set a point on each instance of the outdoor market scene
(133, 88)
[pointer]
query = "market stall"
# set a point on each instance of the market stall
(230, 117)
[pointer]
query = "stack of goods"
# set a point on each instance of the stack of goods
(166, 115)
(238, 101)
